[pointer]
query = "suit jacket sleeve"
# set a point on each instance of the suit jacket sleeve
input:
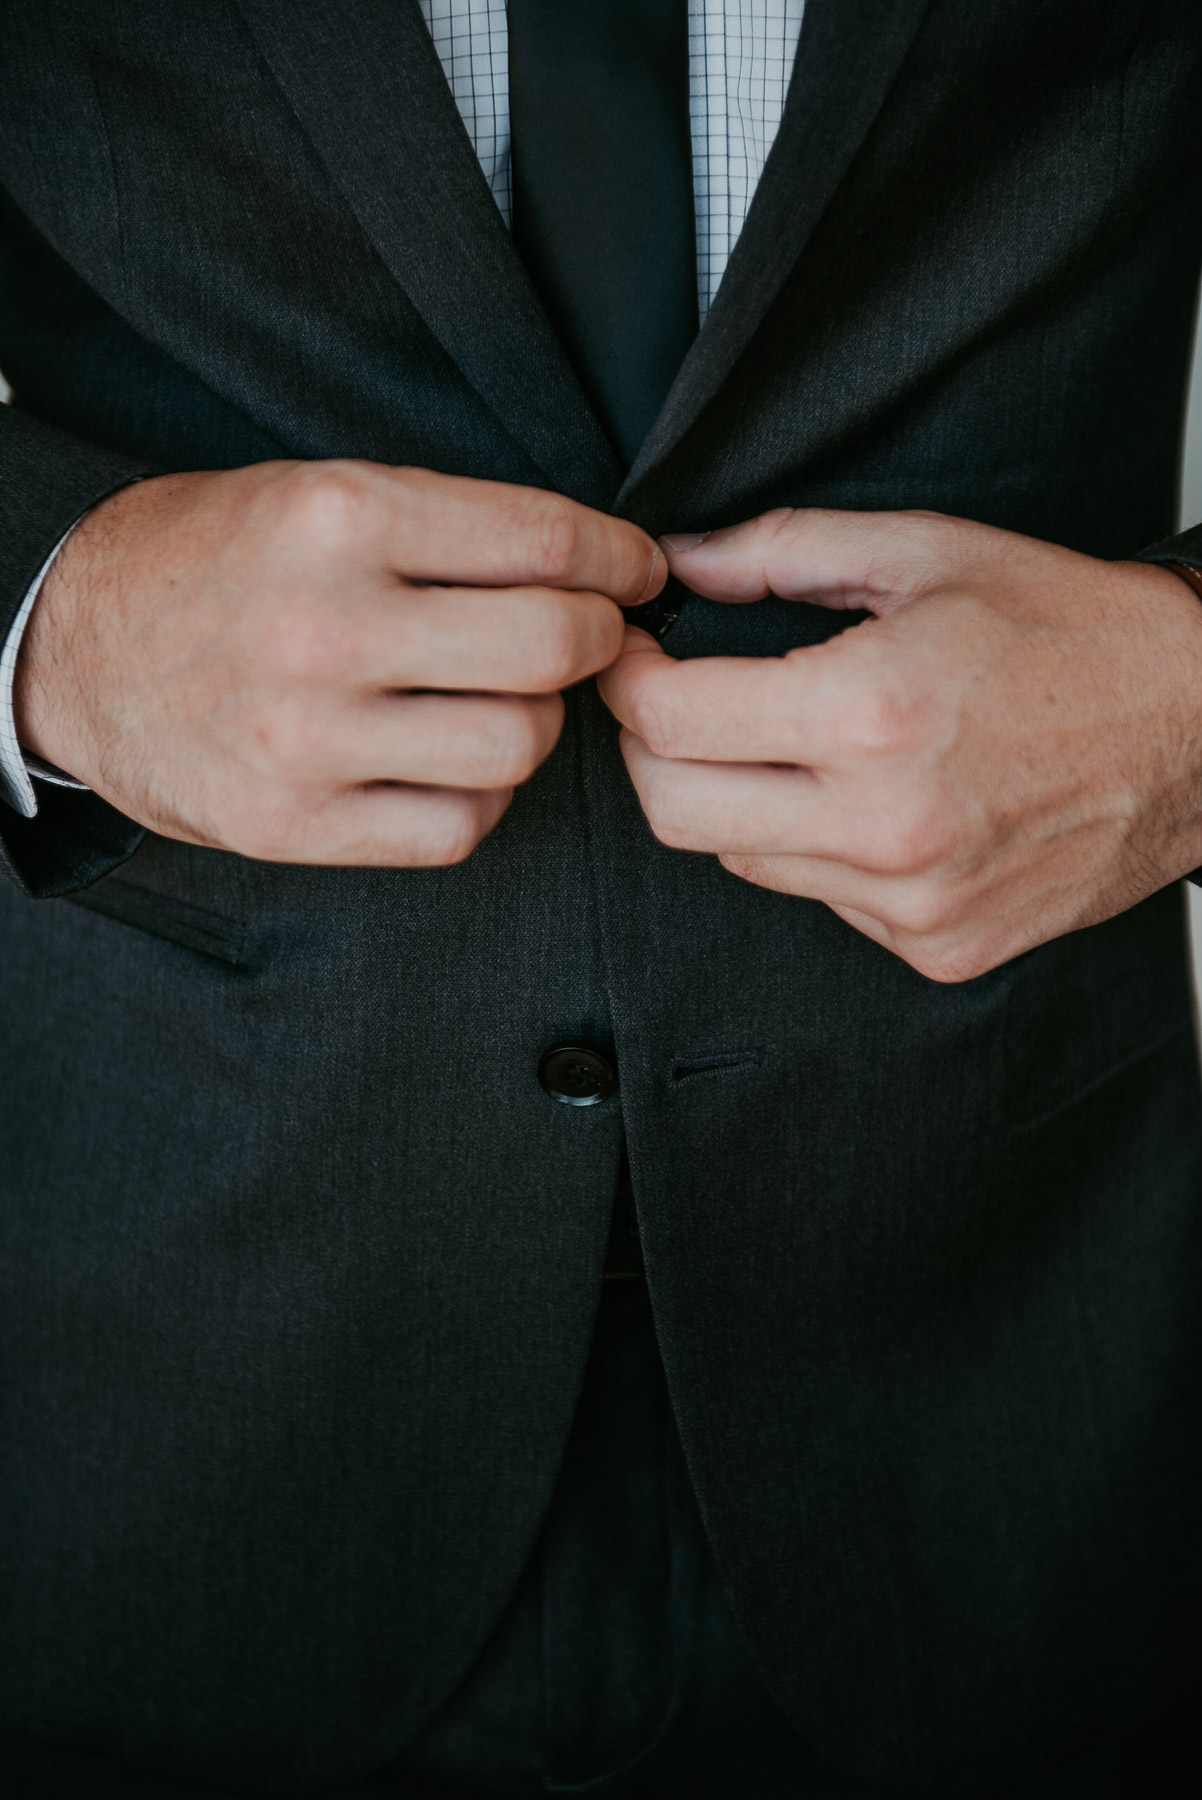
(1184, 549)
(48, 479)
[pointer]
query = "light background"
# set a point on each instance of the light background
(1191, 491)
(1191, 514)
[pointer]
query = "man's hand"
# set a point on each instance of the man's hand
(1010, 749)
(322, 662)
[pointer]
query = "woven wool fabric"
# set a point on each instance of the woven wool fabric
(740, 60)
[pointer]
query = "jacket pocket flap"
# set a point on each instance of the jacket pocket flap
(163, 916)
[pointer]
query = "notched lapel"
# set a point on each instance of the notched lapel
(848, 56)
(365, 82)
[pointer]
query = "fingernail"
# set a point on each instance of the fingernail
(652, 581)
(685, 540)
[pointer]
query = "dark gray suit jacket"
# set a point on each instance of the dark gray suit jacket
(300, 1263)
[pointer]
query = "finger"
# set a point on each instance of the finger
(722, 808)
(384, 825)
(498, 640)
(754, 809)
(827, 558)
(450, 528)
(732, 708)
(478, 741)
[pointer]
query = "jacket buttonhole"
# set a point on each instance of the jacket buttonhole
(718, 1062)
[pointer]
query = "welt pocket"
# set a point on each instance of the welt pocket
(165, 916)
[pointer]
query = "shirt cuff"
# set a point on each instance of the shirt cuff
(16, 766)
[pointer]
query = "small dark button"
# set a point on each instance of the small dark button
(576, 1076)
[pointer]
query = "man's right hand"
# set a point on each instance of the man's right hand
(330, 662)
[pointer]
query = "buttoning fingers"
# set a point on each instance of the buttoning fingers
(816, 554)
(447, 528)
(740, 808)
(764, 809)
(729, 708)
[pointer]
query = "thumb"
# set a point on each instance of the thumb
(873, 561)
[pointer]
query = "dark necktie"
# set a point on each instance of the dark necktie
(603, 192)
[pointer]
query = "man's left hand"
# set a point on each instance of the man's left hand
(1009, 749)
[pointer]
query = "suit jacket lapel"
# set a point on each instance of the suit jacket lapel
(849, 54)
(364, 80)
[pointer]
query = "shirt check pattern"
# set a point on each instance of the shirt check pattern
(741, 55)
(472, 41)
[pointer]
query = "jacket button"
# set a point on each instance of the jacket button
(576, 1076)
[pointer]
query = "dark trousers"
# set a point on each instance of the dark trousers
(618, 1667)
(618, 1663)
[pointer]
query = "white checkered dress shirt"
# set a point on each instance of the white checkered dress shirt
(740, 60)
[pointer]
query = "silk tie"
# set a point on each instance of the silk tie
(603, 192)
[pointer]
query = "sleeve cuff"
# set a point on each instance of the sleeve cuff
(1185, 549)
(15, 766)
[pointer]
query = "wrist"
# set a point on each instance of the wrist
(48, 692)
(1156, 682)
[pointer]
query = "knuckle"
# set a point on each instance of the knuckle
(671, 833)
(540, 729)
(922, 912)
(555, 531)
(325, 507)
(561, 645)
(665, 816)
(653, 719)
(460, 826)
(558, 658)
(875, 721)
(633, 564)
(517, 743)
(950, 964)
(910, 842)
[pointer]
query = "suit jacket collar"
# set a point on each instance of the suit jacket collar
(365, 82)
(848, 57)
